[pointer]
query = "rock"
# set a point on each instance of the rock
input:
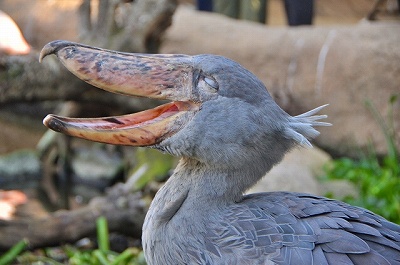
(96, 167)
(19, 170)
(42, 21)
(299, 172)
(9, 200)
(11, 40)
(305, 67)
(338, 189)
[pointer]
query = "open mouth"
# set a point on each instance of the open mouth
(157, 76)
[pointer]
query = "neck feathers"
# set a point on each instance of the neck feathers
(301, 127)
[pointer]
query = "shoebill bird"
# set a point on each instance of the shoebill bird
(229, 132)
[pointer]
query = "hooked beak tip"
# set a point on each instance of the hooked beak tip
(53, 123)
(53, 47)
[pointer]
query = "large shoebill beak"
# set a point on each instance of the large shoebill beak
(153, 76)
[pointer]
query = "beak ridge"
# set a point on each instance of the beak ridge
(152, 76)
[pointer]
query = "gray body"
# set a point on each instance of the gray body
(229, 132)
(200, 215)
(263, 228)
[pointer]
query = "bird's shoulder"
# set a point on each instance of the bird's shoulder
(296, 228)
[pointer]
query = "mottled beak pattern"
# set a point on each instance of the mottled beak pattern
(152, 76)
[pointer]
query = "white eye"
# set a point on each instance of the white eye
(211, 82)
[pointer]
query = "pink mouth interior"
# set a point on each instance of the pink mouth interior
(131, 120)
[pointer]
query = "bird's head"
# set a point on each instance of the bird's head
(219, 113)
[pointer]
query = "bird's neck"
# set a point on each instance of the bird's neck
(196, 185)
(191, 198)
(203, 182)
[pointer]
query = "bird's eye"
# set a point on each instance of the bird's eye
(211, 82)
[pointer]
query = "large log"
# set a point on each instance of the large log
(123, 209)
(304, 67)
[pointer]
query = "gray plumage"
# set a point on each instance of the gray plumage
(229, 132)
(200, 216)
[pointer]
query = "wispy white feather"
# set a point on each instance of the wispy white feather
(301, 127)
